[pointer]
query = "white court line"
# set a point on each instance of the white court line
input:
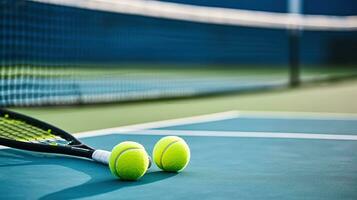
(230, 115)
(244, 134)
(158, 124)
(172, 122)
(221, 116)
(298, 115)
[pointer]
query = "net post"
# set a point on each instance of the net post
(294, 54)
(295, 9)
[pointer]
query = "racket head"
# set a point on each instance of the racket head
(26, 133)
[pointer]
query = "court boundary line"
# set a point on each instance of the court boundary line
(134, 129)
(244, 134)
(157, 124)
(298, 115)
(131, 129)
(221, 116)
(164, 123)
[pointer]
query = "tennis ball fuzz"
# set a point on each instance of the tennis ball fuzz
(171, 153)
(128, 161)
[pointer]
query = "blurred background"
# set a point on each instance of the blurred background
(121, 62)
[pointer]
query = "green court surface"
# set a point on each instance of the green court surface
(334, 97)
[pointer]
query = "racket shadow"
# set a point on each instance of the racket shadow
(96, 187)
(101, 181)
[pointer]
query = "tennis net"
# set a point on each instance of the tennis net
(57, 52)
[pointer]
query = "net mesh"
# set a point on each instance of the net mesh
(88, 51)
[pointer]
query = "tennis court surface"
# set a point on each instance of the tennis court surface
(263, 92)
(235, 155)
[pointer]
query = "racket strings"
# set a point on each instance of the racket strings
(21, 131)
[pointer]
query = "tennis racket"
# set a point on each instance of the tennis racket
(23, 132)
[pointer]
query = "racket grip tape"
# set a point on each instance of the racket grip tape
(101, 156)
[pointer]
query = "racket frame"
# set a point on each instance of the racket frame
(74, 148)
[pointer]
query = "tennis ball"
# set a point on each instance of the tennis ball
(171, 153)
(128, 161)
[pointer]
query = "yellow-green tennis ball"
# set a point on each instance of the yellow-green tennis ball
(128, 161)
(171, 153)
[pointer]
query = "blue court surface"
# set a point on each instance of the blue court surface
(235, 155)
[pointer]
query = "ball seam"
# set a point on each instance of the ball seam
(163, 152)
(121, 153)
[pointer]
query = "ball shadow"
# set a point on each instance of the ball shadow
(98, 183)
(96, 187)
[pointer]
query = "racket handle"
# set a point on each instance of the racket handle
(101, 156)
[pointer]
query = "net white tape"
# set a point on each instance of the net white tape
(204, 14)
